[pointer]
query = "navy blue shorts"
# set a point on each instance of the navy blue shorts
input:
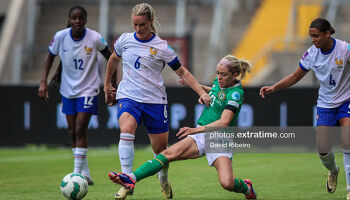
(80, 104)
(154, 116)
(331, 116)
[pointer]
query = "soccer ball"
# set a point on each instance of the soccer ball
(74, 186)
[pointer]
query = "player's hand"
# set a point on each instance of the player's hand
(180, 82)
(110, 95)
(204, 99)
(266, 90)
(185, 131)
(43, 91)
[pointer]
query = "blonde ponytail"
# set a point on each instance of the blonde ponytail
(147, 10)
(239, 66)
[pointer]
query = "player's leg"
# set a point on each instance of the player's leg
(184, 149)
(85, 107)
(69, 109)
(81, 127)
(155, 117)
(129, 117)
(223, 165)
(325, 139)
(344, 122)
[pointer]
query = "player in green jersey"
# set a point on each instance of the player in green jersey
(226, 99)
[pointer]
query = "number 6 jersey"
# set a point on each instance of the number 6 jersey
(332, 69)
(80, 75)
(143, 62)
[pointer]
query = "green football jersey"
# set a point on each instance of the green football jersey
(220, 98)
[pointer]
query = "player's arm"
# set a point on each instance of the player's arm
(43, 91)
(226, 117)
(204, 87)
(189, 80)
(284, 83)
(106, 53)
(110, 91)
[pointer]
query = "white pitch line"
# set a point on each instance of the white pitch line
(62, 156)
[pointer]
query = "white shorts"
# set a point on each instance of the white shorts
(211, 157)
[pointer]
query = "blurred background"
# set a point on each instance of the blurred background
(272, 34)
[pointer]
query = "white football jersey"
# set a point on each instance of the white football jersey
(143, 62)
(80, 75)
(332, 69)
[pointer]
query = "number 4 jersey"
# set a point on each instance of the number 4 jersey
(80, 75)
(332, 69)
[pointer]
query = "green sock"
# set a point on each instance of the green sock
(240, 186)
(150, 167)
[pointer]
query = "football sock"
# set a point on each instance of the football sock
(150, 167)
(329, 162)
(346, 160)
(85, 171)
(126, 151)
(79, 157)
(163, 173)
(240, 186)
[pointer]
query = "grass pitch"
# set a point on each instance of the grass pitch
(32, 173)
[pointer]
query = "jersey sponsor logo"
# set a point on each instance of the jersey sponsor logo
(221, 95)
(87, 49)
(236, 96)
(305, 55)
(233, 103)
(152, 52)
(339, 62)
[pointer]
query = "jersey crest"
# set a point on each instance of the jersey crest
(87, 49)
(152, 52)
(221, 95)
(339, 62)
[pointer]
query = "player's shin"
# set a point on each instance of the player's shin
(151, 167)
(79, 157)
(126, 151)
(346, 160)
(328, 161)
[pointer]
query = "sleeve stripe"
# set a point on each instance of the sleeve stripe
(302, 67)
(116, 53)
(51, 52)
(232, 108)
(175, 64)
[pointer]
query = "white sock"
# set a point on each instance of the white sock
(329, 162)
(126, 151)
(85, 171)
(346, 160)
(132, 175)
(163, 173)
(79, 157)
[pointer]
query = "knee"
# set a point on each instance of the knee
(127, 130)
(168, 154)
(227, 184)
(159, 148)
